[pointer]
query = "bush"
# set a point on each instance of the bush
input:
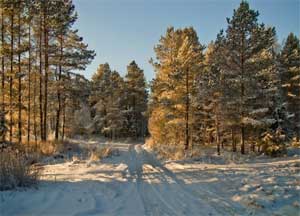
(48, 148)
(166, 151)
(295, 143)
(44, 148)
(16, 170)
(103, 152)
(273, 143)
(52, 147)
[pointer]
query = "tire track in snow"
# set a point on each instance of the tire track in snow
(152, 202)
(96, 199)
(168, 190)
(186, 197)
(216, 201)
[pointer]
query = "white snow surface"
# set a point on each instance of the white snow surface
(136, 183)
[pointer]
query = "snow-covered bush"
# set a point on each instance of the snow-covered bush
(16, 170)
(97, 154)
(172, 151)
(295, 142)
(273, 143)
(51, 147)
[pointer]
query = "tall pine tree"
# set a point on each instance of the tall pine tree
(179, 58)
(245, 42)
(290, 78)
(135, 101)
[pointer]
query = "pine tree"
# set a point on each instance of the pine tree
(33, 33)
(12, 72)
(245, 42)
(29, 23)
(115, 115)
(208, 114)
(22, 48)
(289, 59)
(135, 101)
(4, 56)
(179, 57)
(100, 95)
(63, 23)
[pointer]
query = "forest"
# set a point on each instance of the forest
(239, 94)
(241, 90)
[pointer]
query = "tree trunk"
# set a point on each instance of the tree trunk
(19, 81)
(233, 141)
(11, 75)
(259, 149)
(41, 82)
(297, 128)
(46, 74)
(34, 108)
(242, 139)
(58, 90)
(218, 135)
(29, 83)
(242, 96)
(135, 118)
(64, 119)
(253, 146)
(187, 107)
(3, 75)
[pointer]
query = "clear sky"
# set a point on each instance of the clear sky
(124, 30)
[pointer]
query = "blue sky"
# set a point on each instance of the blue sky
(124, 30)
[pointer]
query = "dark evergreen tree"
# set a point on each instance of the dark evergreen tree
(135, 101)
(290, 78)
(246, 49)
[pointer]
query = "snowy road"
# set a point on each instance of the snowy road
(161, 193)
(136, 183)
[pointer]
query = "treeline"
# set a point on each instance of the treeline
(118, 105)
(239, 92)
(39, 51)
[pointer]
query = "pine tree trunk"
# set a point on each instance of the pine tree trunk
(297, 122)
(259, 149)
(217, 134)
(253, 146)
(64, 119)
(29, 83)
(187, 107)
(58, 90)
(242, 139)
(46, 74)
(242, 98)
(135, 118)
(19, 81)
(34, 108)
(11, 76)
(233, 141)
(3, 75)
(41, 82)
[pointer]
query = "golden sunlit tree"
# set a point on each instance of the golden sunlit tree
(178, 61)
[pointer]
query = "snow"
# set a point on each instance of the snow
(259, 111)
(137, 183)
(251, 121)
(257, 123)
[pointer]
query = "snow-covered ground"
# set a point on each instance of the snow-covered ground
(136, 183)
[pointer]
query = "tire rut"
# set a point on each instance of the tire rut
(173, 198)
